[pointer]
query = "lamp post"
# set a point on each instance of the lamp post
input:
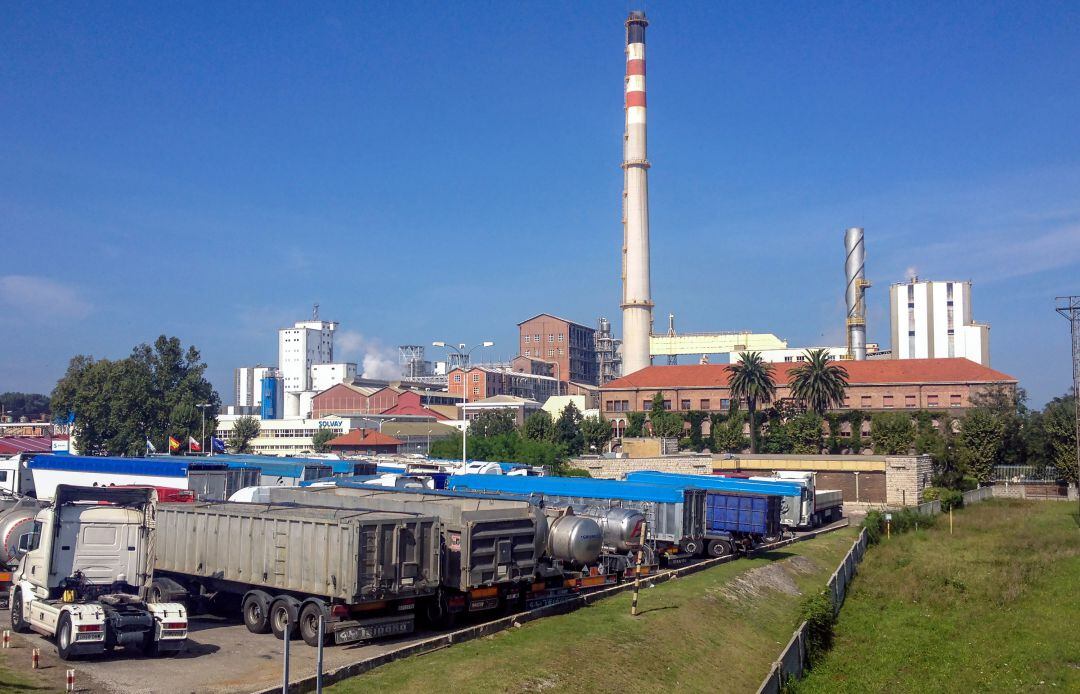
(202, 412)
(464, 354)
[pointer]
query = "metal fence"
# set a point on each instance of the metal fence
(1024, 473)
(792, 660)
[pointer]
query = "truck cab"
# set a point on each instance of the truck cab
(84, 569)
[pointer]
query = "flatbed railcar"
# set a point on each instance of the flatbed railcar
(675, 517)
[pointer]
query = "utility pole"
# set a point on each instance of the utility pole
(1069, 307)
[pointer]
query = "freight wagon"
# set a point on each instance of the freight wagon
(287, 565)
(675, 517)
(498, 552)
(791, 494)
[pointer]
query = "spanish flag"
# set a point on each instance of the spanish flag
(174, 445)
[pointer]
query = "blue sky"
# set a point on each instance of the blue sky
(444, 170)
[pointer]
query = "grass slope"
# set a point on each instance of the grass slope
(993, 607)
(719, 629)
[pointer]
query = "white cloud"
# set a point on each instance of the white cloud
(41, 298)
(375, 359)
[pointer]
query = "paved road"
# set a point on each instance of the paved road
(221, 656)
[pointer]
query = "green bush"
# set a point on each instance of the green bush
(902, 521)
(874, 524)
(576, 472)
(950, 498)
(820, 617)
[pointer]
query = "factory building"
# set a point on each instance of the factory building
(285, 437)
(570, 347)
(302, 346)
(873, 385)
(247, 384)
(482, 382)
(934, 320)
(349, 399)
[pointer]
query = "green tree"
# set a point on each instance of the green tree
(695, 418)
(635, 424)
(776, 438)
(597, 433)
(1009, 406)
(568, 430)
(1059, 423)
(981, 437)
(493, 423)
(727, 433)
(244, 430)
(805, 433)
(321, 440)
(656, 408)
(18, 405)
(539, 426)
(819, 382)
(668, 425)
(893, 433)
(856, 443)
(751, 379)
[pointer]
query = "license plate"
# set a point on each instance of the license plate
(373, 631)
(489, 604)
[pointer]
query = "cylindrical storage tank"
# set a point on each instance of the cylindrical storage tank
(292, 405)
(13, 525)
(621, 528)
(574, 538)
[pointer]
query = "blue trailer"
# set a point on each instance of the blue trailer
(793, 494)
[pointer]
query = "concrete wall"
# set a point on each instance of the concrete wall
(615, 468)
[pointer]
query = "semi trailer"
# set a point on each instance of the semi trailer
(84, 573)
(286, 565)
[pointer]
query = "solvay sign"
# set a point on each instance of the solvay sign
(331, 423)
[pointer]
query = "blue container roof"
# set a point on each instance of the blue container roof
(361, 482)
(157, 467)
(567, 486)
(727, 484)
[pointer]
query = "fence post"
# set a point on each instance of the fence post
(318, 670)
(950, 520)
(285, 666)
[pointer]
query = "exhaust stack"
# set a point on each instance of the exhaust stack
(636, 299)
(855, 272)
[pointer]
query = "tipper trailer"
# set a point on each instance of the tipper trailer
(85, 572)
(286, 565)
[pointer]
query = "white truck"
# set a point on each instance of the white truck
(818, 506)
(84, 571)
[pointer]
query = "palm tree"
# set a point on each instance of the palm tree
(752, 380)
(818, 382)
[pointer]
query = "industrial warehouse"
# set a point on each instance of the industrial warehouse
(806, 477)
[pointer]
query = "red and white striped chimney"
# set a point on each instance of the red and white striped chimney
(636, 300)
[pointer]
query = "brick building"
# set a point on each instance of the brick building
(347, 400)
(873, 385)
(486, 382)
(364, 442)
(570, 345)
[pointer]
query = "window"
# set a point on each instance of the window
(667, 404)
(551, 337)
(476, 391)
(526, 339)
(909, 401)
(476, 378)
(725, 404)
(705, 403)
(561, 337)
(560, 351)
(609, 406)
(788, 358)
(528, 353)
(645, 405)
(684, 404)
(931, 401)
(954, 400)
(886, 401)
(536, 338)
(457, 378)
(551, 353)
(865, 401)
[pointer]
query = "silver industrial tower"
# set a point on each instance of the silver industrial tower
(855, 273)
(636, 299)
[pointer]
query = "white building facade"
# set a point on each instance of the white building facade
(247, 384)
(325, 376)
(302, 346)
(933, 320)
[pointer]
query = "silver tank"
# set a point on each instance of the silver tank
(13, 525)
(574, 538)
(620, 527)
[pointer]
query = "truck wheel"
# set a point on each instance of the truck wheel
(284, 617)
(18, 622)
(256, 611)
(64, 637)
(690, 546)
(309, 623)
(719, 548)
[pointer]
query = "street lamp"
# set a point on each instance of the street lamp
(202, 411)
(464, 354)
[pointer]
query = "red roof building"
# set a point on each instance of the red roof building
(873, 385)
(10, 445)
(364, 442)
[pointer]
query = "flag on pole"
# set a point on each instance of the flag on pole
(174, 445)
(193, 445)
(150, 448)
(217, 444)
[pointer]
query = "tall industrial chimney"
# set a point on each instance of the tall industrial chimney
(636, 301)
(855, 272)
